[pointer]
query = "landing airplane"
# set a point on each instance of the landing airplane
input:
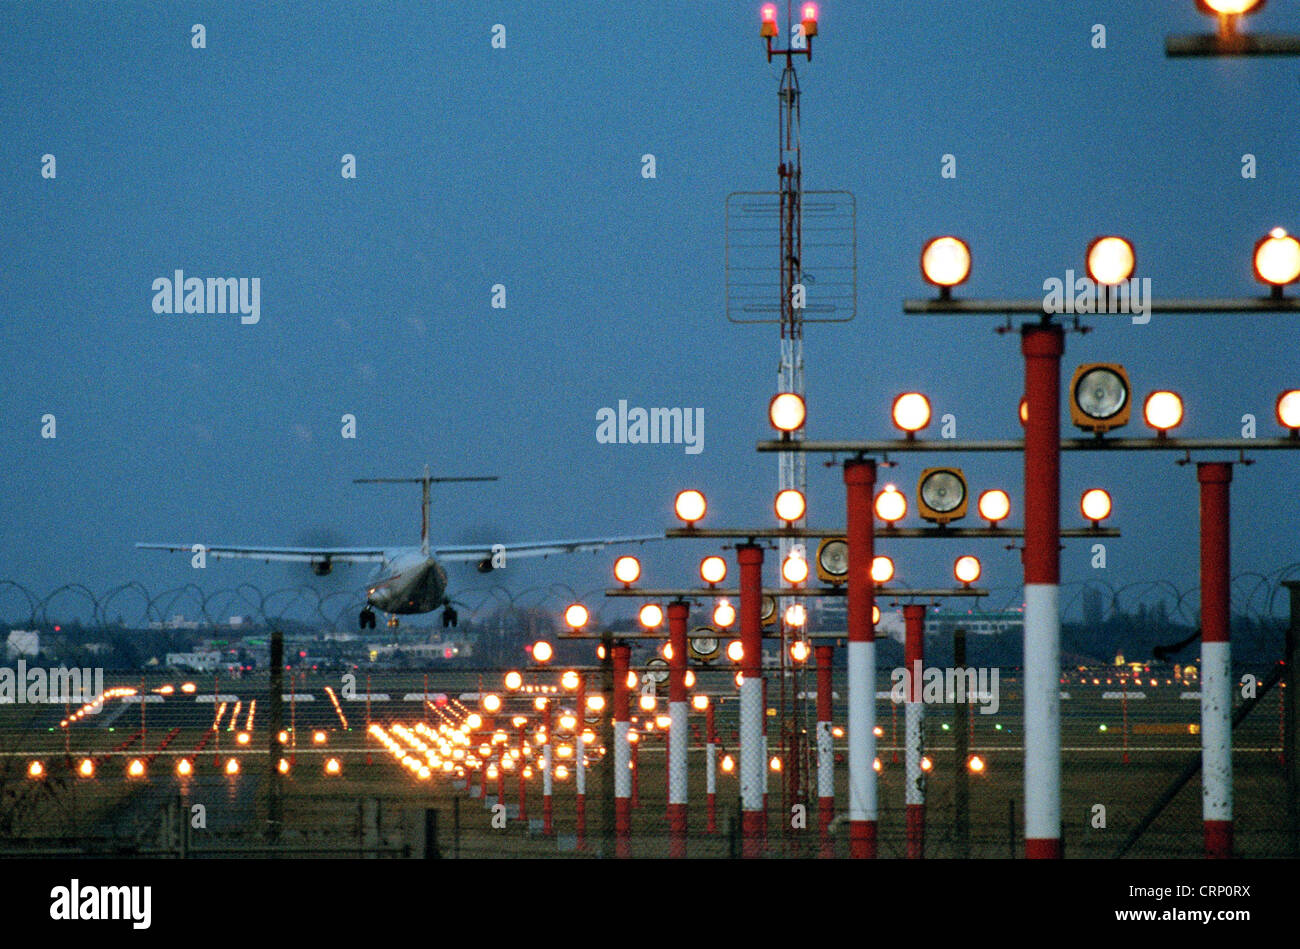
(407, 579)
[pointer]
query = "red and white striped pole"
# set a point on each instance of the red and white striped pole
(859, 483)
(752, 766)
(914, 727)
(1216, 660)
(1042, 345)
(548, 768)
(679, 734)
(622, 755)
(711, 767)
(580, 763)
(825, 750)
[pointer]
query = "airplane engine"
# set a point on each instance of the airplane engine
(485, 565)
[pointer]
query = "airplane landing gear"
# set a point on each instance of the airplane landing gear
(449, 616)
(367, 618)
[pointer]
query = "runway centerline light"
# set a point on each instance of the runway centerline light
(575, 617)
(967, 569)
(651, 616)
(790, 505)
(1163, 411)
(690, 506)
(1099, 397)
(945, 263)
(787, 412)
(1111, 260)
(941, 495)
(1095, 505)
(891, 505)
(882, 569)
(1288, 410)
(627, 570)
(724, 614)
(994, 506)
(713, 569)
(911, 412)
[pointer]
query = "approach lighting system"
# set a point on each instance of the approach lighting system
(945, 263)
(713, 569)
(690, 506)
(1277, 260)
(651, 616)
(1099, 397)
(994, 506)
(1095, 505)
(1111, 260)
(891, 505)
(724, 614)
(833, 558)
(941, 495)
(882, 569)
(911, 412)
(1163, 411)
(1288, 411)
(790, 505)
(787, 412)
(627, 570)
(575, 617)
(967, 569)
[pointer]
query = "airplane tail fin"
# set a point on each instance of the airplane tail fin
(424, 482)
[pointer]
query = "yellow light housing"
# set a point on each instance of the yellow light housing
(967, 569)
(891, 505)
(790, 505)
(911, 412)
(690, 506)
(941, 495)
(945, 263)
(713, 569)
(651, 616)
(1163, 411)
(833, 560)
(627, 570)
(787, 412)
(1100, 397)
(994, 506)
(1095, 505)
(576, 616)
(1288, 410)
(767, 615)
(1111, 260)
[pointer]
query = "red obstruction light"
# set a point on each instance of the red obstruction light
(768, 29)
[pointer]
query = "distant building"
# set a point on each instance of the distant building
(23, 642)
(194, 661)
(940, 623)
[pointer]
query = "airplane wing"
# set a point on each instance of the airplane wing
(268, 554)
(466, 553)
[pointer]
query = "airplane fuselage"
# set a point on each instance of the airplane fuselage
(408, 581)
